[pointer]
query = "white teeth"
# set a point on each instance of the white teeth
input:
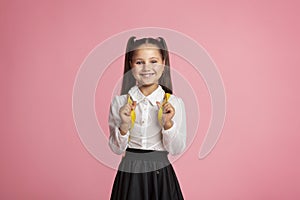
(147, 75)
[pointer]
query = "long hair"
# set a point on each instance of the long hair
(129, 81)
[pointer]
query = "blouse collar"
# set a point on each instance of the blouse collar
(138, 96)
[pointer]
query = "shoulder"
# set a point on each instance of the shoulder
(176, 101)
(119, 100)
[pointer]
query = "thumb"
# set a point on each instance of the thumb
(133, 105)
(158, 104)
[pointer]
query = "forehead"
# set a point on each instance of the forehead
(147, 50)
(147, 45)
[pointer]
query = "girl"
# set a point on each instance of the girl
(146, 123)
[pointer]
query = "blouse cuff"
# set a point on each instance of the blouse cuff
(169, 134)
(121, 138)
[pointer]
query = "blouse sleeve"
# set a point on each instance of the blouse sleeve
(117, 142)
(174, 138)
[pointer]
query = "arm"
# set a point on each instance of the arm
(117, 141)
(174, 138)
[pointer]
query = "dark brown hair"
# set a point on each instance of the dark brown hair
(128, 79)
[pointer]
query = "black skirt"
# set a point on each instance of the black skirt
(146, 175)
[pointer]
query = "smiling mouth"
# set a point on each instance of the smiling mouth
(147, 75)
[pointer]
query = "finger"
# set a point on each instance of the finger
(170, 109)
(127, 109)
(133, 105)
(166, 104)
(127, 112)
(158, 104)
(167, 108)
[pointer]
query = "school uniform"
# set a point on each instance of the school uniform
(145, 172)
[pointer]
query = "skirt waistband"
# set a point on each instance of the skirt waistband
(149, 155)
(139, 150)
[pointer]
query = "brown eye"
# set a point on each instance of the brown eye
(154, 61)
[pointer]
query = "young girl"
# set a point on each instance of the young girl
(146, 123)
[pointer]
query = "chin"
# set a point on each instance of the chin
(148, 84)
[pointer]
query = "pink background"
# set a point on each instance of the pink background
(254, 44)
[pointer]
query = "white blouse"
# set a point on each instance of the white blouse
(147, 133)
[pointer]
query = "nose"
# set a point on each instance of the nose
(147, 66)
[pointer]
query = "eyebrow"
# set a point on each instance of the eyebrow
(143, 59)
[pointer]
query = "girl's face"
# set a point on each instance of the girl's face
(147, 65)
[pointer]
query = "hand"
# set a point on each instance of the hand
(168, 114)
(125, 116)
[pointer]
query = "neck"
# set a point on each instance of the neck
(148, 89)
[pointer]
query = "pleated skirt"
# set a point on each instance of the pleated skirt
(146, 175)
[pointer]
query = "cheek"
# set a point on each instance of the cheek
(135, 71)
(159, 69)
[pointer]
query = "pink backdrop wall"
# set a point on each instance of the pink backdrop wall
(254, 44)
